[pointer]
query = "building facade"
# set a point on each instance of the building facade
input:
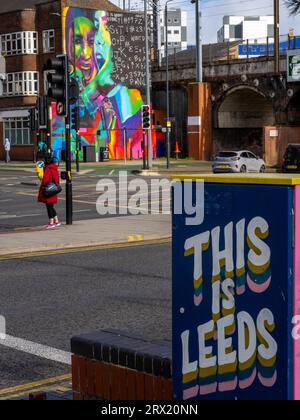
(252, 28)
(177, 31)
(107, 57)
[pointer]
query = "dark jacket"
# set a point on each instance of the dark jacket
(51, 174)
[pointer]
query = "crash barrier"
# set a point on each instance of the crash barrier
(236, 289)
(111, 365)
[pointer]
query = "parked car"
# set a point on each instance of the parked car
(235, 162)
(291, 160)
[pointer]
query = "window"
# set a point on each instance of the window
(176, 32)
(21, 84)
(176, 20)
(48, 41)
(17, 131)
(19, 43)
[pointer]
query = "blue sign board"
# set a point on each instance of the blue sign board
(232, 295)
(254, 50)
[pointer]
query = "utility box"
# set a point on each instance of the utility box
(104, 154)
(236, 288)
(89, 154)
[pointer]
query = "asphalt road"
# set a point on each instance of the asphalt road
(47, 300)
(19, 207)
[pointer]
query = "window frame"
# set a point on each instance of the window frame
(48, 37)
(17, 130)
(24, 83)
(19, 43)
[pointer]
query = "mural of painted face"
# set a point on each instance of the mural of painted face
(103, 45)
(84, 38)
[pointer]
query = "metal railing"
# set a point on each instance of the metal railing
(227, 51)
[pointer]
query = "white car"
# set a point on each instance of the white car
(235, 162)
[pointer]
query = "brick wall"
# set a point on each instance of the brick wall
(200, 132)
(111, 365)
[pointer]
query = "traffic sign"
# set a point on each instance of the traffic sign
(60, 108)
(293, 66)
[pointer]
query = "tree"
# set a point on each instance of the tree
(294, 6)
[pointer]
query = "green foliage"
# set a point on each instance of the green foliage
(293, 6)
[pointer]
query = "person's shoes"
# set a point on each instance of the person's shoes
(57, 224)
(51, 226)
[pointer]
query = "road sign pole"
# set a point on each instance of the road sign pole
(148, 86)
(77, 153)
(69, 187)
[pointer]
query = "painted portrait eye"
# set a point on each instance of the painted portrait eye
(91, 42)
(78, 40)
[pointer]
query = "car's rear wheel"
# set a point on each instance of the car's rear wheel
(243, 169)
(262, 169)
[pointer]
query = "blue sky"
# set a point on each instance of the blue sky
(214, 10)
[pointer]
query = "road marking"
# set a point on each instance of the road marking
(29, 386)
(35, 349)
(132, 238)
(15, 216)
(111, 172)
(82, 211)
(90, 248)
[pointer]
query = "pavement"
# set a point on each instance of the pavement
(113, 167)
(86, 234)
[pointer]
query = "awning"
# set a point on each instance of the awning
(14, 113)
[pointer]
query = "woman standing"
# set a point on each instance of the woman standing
(51, 175)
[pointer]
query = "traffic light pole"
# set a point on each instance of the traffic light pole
(69, 187)
(77, 153)
(60, 87)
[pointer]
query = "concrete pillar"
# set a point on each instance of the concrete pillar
(200, 121)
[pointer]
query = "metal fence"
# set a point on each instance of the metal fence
(228, 51)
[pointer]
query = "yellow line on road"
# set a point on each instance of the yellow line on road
(30, 386)
(88, 248)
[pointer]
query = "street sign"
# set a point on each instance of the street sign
(293, 66)
(60, 108)
(235, 291)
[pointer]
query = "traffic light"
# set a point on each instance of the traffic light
(146, 117)
(58, 80)
(74, 91)
(32, 119)
(74, 118)
(42, 110)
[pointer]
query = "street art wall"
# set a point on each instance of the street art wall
(107, 58)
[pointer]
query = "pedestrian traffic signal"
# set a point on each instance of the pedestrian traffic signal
(58, 81)
(74, 118)
(146, 117)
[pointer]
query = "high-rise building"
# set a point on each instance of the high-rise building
(253, 28)
(177, 31)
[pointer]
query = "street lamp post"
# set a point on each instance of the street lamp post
(276, 36)
(167, 85)
(148, 81)
(199, 70)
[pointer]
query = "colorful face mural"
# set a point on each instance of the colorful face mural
(107, 58)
